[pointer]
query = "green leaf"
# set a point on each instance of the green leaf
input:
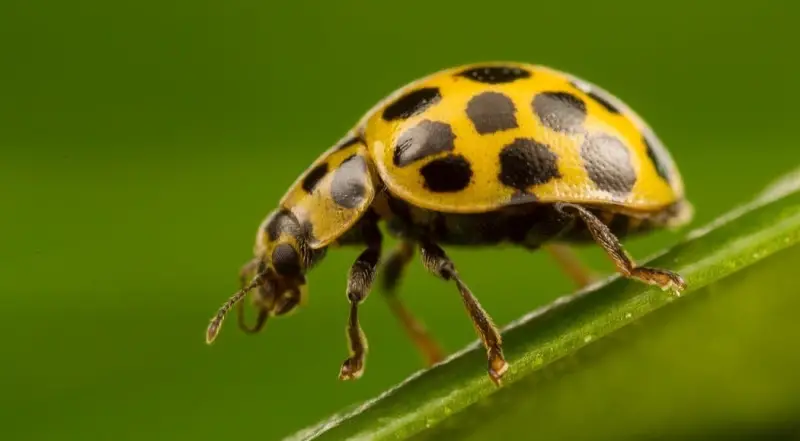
(625, 359)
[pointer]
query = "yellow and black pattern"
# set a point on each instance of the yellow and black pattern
(333, 193)
(477, 155)
(479, 137)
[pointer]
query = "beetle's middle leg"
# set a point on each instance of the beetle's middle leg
(437, 262)
(396, 263)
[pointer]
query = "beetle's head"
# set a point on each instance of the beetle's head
(276, 277)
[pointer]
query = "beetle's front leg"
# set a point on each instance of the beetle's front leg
(359, 282)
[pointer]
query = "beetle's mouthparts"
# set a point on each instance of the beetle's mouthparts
(276, 296)
(281, 295)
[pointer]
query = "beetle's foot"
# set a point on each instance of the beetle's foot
(664, 279)
(352, 369)
(497, 367)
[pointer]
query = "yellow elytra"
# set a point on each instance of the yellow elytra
(476, 155)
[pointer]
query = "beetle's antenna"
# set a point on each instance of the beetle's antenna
(216, 322)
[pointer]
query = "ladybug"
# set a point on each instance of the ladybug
(489, 154)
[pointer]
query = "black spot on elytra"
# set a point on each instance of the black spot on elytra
(600, 97)
(492, 112)
(425, 139)
(286, 260)
(314, 176)
(494, 74)
(560, 111)
(347, 142)
(412, 103)
(348, 186)
(658, 161)
(447, 175)
(608, 163)
(603, 102)
(526, 162)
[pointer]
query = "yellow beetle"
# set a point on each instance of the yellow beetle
(481, 154)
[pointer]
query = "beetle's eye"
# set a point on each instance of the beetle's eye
(286, 260)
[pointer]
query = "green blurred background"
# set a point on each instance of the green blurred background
(141, 143)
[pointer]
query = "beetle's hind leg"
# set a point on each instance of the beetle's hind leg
(625, 265)
(392, 270)
(568, 262)
(437, 262)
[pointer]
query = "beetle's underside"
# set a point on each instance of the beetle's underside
(530, 225)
